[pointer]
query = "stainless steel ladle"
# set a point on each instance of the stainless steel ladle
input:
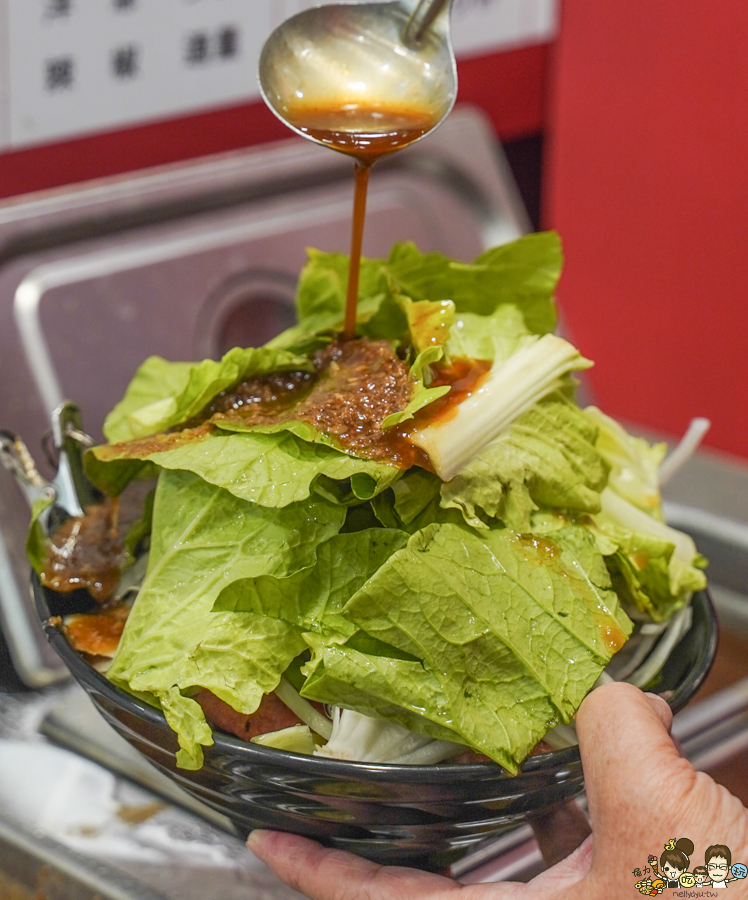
(371, 58)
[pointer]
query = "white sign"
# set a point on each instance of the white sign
(71, 67)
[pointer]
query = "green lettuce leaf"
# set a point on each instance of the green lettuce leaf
(313, 597)
(321, 293)
(270, 469)
(495, 337)
(163, 394)
(429, 322)
(655, 568)
(523, 273)
(634, 463)
(37, 543)
(203, 539)
(546, 458)
(511, 631)
(413, 502)
(422, 393)
(379, 683)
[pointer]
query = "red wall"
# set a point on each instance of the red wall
(509, 86)
(647, 181)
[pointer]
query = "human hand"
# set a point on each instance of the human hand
(640, 793)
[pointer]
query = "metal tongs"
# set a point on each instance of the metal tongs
(70, 491)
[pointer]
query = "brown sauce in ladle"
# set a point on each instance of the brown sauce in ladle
(366, 133)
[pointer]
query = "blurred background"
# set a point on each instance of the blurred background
(625, 127)
(150, 202)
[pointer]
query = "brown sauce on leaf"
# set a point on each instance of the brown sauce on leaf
(359, 384)
(140, 448)
(85, 552)
(356, 385)
(464, 376)
(267, 394)
(97, 634)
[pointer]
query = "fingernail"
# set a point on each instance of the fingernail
(254, 841)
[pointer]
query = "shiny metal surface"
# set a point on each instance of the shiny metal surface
(187, 260)
(35, 866)
(362, 62)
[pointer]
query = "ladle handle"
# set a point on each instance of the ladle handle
(421, 19)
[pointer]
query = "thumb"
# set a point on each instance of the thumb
(632, 768)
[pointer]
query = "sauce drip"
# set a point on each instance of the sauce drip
(97, 634)
(365, 132)
(85, 552)
(357, 239)
(464, 376)
(359, 384)
(356, 386)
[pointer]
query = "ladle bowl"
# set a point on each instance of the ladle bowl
(346, 67)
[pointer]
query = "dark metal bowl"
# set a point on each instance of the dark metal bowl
(425, 816)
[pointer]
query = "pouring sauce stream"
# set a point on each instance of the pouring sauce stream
(367, 133)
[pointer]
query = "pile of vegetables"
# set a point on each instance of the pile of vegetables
(468, 603)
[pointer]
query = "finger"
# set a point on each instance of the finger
(560, 831)
(630, 762)
(324, 874)
(565, 875)
(661, 710)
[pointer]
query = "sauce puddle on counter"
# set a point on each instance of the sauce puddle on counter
(367, 133)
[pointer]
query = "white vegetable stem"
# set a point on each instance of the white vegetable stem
(634, 519)
(536, 369)
(687, 446)
(365, 739)
(303, 709)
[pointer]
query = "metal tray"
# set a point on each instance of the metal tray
(35, 866)
(188, 260)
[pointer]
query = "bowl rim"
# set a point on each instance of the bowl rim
(547, 762)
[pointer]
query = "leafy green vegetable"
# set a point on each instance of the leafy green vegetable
(321, 292)
(203, 539)
(296, 739)
(163, 394)
(634, 464)
(429, 321)
(36, 540)
(655, 567)
(495, 337)
(511, 633)
(369, 739)
(313, 597)
(546, 458)
(270, 469)
(475, 606)
(523, 273)
(422, 393)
